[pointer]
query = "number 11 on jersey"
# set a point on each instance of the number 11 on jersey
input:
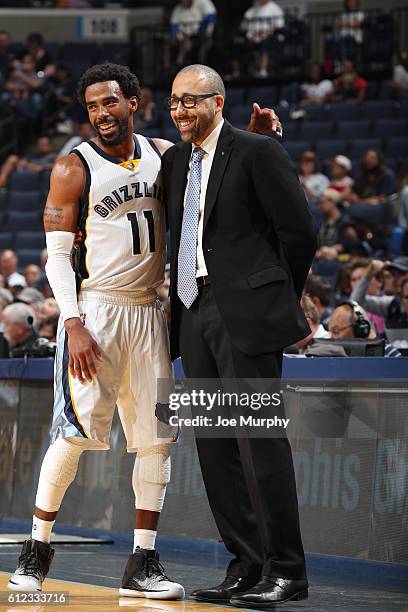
(134, 223)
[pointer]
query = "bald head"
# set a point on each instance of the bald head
(8, 262)
(199, 94)
(209, 77)
(341, 323)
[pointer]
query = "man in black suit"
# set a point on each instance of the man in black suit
(242, 241)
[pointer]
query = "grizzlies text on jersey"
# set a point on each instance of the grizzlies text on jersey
(122, 220)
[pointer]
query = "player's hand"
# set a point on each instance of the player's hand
(83, 351)
(264, 121)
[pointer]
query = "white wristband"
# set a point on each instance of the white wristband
(60, 273)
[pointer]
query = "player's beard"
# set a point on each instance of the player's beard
(119, 136)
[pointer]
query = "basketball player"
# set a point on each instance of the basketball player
(112, 339)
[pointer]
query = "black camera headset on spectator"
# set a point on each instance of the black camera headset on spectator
(361, 325)
(39, 347)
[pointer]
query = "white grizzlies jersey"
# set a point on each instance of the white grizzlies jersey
(122, 220)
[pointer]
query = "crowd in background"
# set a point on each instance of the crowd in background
(360, 205)
(28, 309)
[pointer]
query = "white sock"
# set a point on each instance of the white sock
(41, 530)
(145, 538)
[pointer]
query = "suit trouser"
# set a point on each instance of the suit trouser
(250, 482)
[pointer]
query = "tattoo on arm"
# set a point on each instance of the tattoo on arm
(53, 217)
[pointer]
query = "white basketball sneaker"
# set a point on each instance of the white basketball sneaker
(33, 566)
(144, 577)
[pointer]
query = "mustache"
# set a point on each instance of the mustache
(104, 121)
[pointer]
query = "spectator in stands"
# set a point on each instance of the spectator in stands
(332, 231)
(341, 179)
(258, 27)
(9, 269)
(24, 87)
(2, 282)
(81, 133)
(50, 308)
(393, 274)
(312, 317)
(404, 297)
(399, 83)
(320, 292)
(316, 90)
(42, 59)
(6, 56)
(342, 326)
(403, 209)
(147, 115)
(349, 29)
(343, 287)
(358, 269)
(43, 285)
(393, 306)
(190, 20)
(6, 298)
(30, 296)
(375, 182)
(349, 86)
(43, 159)
(48, 328)
(31, 274)
(19, 325)
(61, 95)
(313, 181)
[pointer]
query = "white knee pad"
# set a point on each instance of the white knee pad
(151, 474)
(58, 470)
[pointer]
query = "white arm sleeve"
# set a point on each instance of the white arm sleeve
(60, 273)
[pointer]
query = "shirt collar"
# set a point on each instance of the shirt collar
(210, 143)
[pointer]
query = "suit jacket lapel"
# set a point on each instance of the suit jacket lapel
(220, 161)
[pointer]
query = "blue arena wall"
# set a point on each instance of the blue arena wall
(352, 488)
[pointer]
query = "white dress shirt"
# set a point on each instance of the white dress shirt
(208, 145)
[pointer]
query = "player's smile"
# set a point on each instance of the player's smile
(107, 127)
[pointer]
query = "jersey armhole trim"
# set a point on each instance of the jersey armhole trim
(87, 184)
(154, 146)
(79, 258)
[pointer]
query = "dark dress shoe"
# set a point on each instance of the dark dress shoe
(224, 591)
(270, 591)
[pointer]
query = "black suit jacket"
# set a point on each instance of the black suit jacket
(259, 239)
(4, 350)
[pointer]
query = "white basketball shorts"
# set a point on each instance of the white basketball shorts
(135, 374)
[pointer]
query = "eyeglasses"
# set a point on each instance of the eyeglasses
(188, 101)
(336, 331)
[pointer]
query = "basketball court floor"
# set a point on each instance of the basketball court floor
(89, 576)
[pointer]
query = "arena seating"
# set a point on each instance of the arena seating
(330, 129)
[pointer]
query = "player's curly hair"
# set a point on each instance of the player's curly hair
(128, 82)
